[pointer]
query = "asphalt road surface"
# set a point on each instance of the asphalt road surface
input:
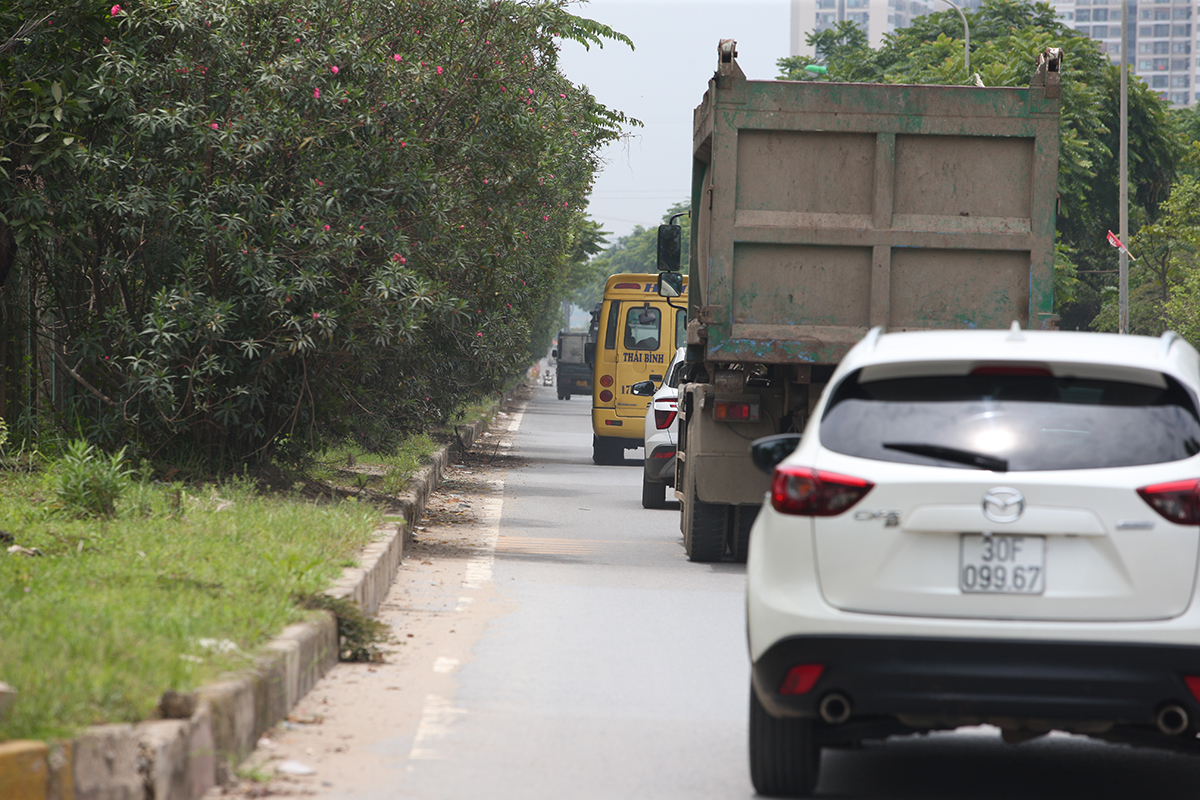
(553, 641)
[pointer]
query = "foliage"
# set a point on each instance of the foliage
(88, 484)
(251, 224)
(359, 635)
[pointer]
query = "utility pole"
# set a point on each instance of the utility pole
(1123, 256)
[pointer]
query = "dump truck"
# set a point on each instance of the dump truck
(574, 375)
(821, 210)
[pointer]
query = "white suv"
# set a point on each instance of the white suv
(661, 430)
(976, 527)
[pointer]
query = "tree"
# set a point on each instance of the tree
(263, 221)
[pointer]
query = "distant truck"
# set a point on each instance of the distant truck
(574, 374)
(821, 210)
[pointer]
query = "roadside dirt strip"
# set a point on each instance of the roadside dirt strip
(374, 719)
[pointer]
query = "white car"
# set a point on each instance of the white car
(980, 527)
(662, 430)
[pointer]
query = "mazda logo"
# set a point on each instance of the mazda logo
(1003, 504)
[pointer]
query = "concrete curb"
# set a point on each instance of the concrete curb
(181, 759)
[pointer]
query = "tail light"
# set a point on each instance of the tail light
(606, 381)
(735, 411)
(813, 493)
(606, 396)
(801, 679)
(1177, 501)
(663, 417)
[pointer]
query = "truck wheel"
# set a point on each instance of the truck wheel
(607, 451)
(566, 396)
(784, 755)
(704, 528)
(654, 495)
(744, 520)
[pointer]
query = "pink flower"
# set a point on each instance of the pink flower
(316, 315)
(563, 96)
(397, 57)
(531, 91)
(297, 40)
(214, 126)
(439, 70)
(326, 227)
(402, 144)
(503, 89)
(334, 70)
(115, 10)
(479, 334)
(316, 93)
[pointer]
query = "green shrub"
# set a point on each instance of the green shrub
(87, 483)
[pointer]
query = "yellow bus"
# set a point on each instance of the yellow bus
(639, 333)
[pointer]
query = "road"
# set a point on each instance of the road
(553, 641)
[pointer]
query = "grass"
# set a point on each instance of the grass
(177, 588)
(141, 587)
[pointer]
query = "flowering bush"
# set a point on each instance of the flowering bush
(240, 244)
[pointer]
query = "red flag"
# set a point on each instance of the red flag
(1115, 242)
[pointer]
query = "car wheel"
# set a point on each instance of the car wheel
(654, 495)
(607, 451)
(784, 755)
(704, 528)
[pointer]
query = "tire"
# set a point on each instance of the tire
(785, 758)
(654, 495)
(743, 520)
(703, 527)
(607, 451)
(566, 396)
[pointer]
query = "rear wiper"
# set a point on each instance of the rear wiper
(951, 454)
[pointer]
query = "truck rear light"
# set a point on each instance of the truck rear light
(801, 678)
(614, 422)
(814, 493)
(634, 286)
(663, 417)
(1177, 501)
(735, 411)
(606, 396)
(606, 381)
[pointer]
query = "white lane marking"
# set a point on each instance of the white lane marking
(445, 665)
(436, 718)
(516, 421)
(463, 603)
(479, 567)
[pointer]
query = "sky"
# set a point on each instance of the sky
(659, 83)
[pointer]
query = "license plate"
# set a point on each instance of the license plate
(1002, 564)
(581, 383)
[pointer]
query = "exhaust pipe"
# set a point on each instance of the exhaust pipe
(835, 709)
(1172, 720)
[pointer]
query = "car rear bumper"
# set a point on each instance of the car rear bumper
(660, 465)
(936, 682)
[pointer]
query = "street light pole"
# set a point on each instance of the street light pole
(966, 38)
(1123, 195)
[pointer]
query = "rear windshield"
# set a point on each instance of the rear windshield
(1011, 422)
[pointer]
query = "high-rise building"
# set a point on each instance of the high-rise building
(876, 17)
(1162, 33)
(1162, 36)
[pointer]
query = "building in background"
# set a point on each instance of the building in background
(1162, 36)
(1162, 33)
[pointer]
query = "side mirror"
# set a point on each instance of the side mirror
(589, 353)
(643, 389)
(770, 450)
(670, 284)
(670, 239)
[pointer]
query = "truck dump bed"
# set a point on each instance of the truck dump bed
(821, 210)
